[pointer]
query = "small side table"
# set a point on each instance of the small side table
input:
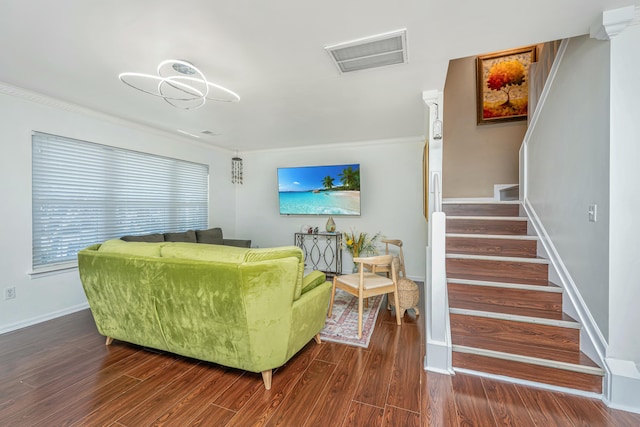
(322, 251)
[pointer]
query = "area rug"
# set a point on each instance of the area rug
(342, 326)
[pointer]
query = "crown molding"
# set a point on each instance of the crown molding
(636, 18)
(612, 22)
(38, 98)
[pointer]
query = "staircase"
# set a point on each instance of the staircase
(506, 316)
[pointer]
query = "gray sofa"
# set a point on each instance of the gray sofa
(212, 236)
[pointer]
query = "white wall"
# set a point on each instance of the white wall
(391, 196)
(45, 297)
(568, 169)
(475, 158)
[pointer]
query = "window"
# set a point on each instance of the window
(85, 193)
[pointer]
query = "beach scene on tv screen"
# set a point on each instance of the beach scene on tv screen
(320, 190)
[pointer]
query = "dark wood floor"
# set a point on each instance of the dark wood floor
(60, 373)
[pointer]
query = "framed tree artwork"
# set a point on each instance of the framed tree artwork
(503, 85)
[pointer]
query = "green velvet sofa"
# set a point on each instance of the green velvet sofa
(251, 309)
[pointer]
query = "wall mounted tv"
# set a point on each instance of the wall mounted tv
(320, 190)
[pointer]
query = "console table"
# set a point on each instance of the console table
(322, 251)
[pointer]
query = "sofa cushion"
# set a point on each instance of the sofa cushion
(199, 252)
(157, 237)
(241, 243)
(262, 254)
(185, 236)
(212, 236)
(117, 246)
(313, 280)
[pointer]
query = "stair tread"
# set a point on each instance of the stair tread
(487, 218)
(479, 202)
(493, 257)
(491, 236)
(536, 273)
(484, 278)
(479, 282)
(504, 245)
(482, 208)
(565, 356)
(487, 225)
(552, 375)
(512, 311)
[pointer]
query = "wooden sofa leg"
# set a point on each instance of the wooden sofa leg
(109, 341)
(266, 378)
(317, 338)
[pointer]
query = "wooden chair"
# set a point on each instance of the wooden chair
(364, 284)
(387, 269)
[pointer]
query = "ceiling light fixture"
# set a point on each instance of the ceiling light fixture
(175, 84)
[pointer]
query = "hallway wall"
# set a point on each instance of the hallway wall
(474, 157)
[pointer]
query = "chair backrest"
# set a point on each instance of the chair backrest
(374, 260)
(388, 262)
(397, 243)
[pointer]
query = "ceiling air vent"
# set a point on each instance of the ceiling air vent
(370, 52)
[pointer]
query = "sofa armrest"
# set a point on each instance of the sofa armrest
(308, 316)
(237, 242)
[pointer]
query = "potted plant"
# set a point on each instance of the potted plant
(360, 244)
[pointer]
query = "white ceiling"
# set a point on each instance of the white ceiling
(272, 54)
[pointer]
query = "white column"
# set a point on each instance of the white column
(438, 342)
(623, 351)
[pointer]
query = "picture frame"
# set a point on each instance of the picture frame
(503, 85)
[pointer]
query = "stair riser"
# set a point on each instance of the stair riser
(486, 226)
(494, 247)
(572, 357)
(525, 371)
(481, 209)
(551, 337)
(504, 297)
(521, 272)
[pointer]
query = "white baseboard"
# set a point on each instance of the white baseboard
(468, 200)
(39, 319)
(438, 358)
(624, 385)
(527, 383)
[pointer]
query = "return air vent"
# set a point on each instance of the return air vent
(370, 52)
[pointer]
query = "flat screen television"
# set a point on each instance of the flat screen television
(320, 190)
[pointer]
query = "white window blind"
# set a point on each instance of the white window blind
(85, 193)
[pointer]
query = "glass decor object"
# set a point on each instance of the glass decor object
(331, 225)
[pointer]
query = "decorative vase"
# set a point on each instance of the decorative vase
(355, 268)
(331, 225)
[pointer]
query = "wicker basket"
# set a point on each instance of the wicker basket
(408, 296)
